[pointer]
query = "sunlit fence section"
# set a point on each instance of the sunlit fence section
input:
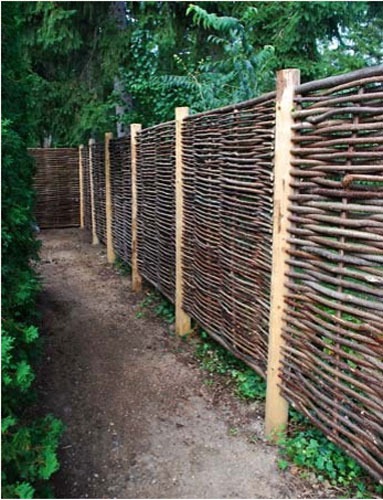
(228, 167)
(333, 362)
(121, 181)
(156, 206)
(57, 184)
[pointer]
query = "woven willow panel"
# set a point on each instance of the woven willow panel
(121, 185)
(156, 206)
(57, 187)
(333, 366)
(98, 162)
(86, 184)
(228, 163)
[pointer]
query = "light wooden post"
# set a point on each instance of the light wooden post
(135, 128)
(95, 240)
(276, 406)
(81, 185)
(183, 322)
(111, 256)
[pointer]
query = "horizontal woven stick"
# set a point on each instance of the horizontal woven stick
(233, 108)
(333, 81)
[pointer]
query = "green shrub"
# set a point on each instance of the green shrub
(28, 445)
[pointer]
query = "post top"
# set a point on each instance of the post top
(182, 112)
(134, 127)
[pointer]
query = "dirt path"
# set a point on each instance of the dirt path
(140, 421)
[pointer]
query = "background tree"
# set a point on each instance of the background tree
(91, 60)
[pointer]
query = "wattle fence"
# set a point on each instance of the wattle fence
(156, 207)
(263, 221)
(57, 186)
(333, 357)
(228, 163)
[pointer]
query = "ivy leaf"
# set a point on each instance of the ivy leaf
(283, 464)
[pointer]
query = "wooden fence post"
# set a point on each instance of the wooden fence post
(81, 185)
(183, 321)
(135, 128)
(276, 406)
(111, 256)
(95, 240)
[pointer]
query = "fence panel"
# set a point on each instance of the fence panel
(156, 206)
(57, 187)
(86, 183)
(120, 171)
(98, 162)
(228, 158)
(332, 369)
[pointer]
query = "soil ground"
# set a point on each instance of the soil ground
(141, 422)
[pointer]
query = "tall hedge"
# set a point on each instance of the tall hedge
(28, 444)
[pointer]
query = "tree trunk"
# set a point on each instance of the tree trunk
(47, 141)
(118, 12)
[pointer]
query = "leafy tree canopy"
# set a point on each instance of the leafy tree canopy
(86, 58)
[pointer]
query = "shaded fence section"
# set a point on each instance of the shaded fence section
(57, 187)
(86, 187)
(333, 363)
(156, 206)
(98, 166)
(121, 180)
(228, 164)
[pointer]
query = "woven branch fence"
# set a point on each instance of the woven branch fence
(57, 185)
(98, 155)
(121, 187)
(156, 207)
(228, 161)
(86, 191)
(332, 364)
(263, 221)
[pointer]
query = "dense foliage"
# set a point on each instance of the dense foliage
(28, 444)
(95, 63)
